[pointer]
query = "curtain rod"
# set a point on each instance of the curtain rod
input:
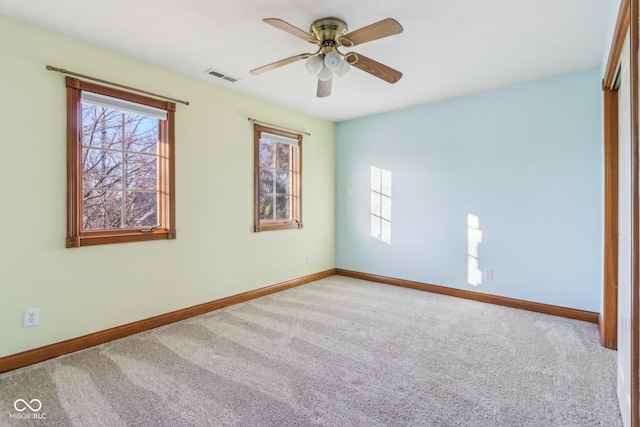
(278, 126)
(71, 73)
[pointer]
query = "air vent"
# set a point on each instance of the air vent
(220, 75)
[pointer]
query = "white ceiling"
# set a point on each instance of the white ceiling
(448, 48)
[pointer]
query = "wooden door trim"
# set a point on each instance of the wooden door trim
(620, 32)
(627, 21)
(609, 315)
(635, 219)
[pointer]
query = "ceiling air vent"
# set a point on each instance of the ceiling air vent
(220, 75)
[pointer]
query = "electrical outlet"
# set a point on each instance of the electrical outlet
(31, 317)
(488, 274)
(308, 259)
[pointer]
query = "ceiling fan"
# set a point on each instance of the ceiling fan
(329, 34)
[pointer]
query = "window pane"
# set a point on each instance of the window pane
(267, 154)
(101, 127)
(284, 183)
(385, 211)
(375, 226)
(266, 208)
(142, 172)
(141, 133)
(101, 210)
(283, 156)
(141, 209)
(101, 168)
(375, 203)
(267, 181)
(283, 207)
(386, 182)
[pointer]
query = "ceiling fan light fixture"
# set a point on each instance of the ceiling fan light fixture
(314, 64)
(343, 68)
(325, 74)
(333, 60)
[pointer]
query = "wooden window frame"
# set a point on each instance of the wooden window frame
(296, 182)
(76, 236)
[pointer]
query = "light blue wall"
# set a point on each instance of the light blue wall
(526, 159)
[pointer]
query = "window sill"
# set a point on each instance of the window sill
(276, 226)
(103, 238)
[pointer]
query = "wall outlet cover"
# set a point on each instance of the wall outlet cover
(31, 317)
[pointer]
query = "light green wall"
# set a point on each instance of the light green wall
(80, 291)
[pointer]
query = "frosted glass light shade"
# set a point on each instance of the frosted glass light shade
(342, 69)
(314, 64)
(332, 60)
(325, 74)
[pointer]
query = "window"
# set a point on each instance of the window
(120, 166)
(381, 204)
(277, 172)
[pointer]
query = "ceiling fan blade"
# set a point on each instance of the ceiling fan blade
(385, 28)
(324, 88)
(375, 68)
(278, 64)
(285, 26)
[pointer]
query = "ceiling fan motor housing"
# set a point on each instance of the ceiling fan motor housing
(329, 31)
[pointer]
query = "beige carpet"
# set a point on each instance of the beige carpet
(337, 352)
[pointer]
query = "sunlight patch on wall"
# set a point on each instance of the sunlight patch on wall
(381, 204)
(474, 238)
